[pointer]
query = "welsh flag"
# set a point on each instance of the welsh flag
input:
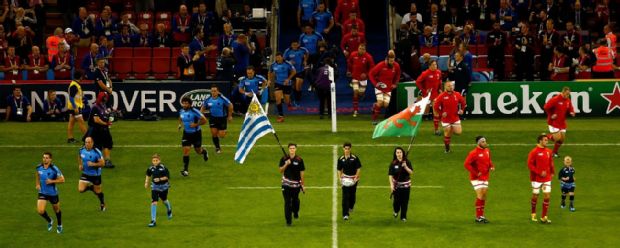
(405, 123)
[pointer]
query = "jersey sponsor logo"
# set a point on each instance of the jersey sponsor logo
(480, 155)
(295, 163)
(540, 154)
(197, 96)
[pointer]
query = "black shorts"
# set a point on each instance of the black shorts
(300, 74)
(95, 180)
(156, 194)
(53, 199)
(286, 89)
(218, 122)
(192, 139)
(73, 114)
(567, 190)
(102, 138)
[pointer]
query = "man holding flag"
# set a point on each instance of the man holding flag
(292, 169)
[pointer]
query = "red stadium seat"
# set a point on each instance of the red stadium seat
(131, 14)
(121, 66)
(162, 67)
(445, 50)
(142, 52)
(141, 67)
(163, 16)
(160, 52)
(81, 53)
(123, 52)
(430, 50)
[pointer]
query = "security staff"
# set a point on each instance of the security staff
(292, 169)
(496, 43)
(604, 61)
(220, 112)
(75, 105)
(349, 167)
(524, 52)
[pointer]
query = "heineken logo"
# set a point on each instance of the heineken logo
(197, 96)
(613, 98)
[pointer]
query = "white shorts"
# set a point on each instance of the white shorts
(383, 97)
(359, 85)
(553, 129)
(445, 124)
(546, 187)
(479, 184)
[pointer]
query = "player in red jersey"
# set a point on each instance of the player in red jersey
(557, 108)
(343, 8)
(358, 65)
(448, 106)
(430, 82)
(351, 41)
(479, 164)
(540, 163)
(384, 76)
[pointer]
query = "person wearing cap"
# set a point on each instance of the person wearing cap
(384, 76)
(99, 127)
(447, 107)
(479, 165)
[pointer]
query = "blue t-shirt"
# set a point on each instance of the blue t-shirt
(251, 84)
(217, 106)
(52, 172)
(188, 117)
(307, 7)
(321, 20)
(21, 103)
(242, 57)
(296, 57)
(310, 41)
(92, 155)
(281, 70)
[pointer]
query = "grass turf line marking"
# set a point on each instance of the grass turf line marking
(335, 197)
(336, 187)
(309, 145)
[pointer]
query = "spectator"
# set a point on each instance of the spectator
(353, 21)
(124, 38)
(559, 66)
(225, 63)
(540, 21)
(83, 26)
(549, 40)
(181, 29)
(578, 15)
(413, 15)
(22, 40)
(468, 36)
(426, 62)
(105, 51)
(203, 20)
(4, 43)
(185, 64)
(133, 29)
(23, 20)
(220, 7)
(71, 40)
(37, 65)
(105, 24)
(445, 38)
(241, 51)
(143, 39)
(11, 66)
(227, 37)
(255, 54)
(552, 10)
(427, 39)
(455, 18)
(52, 107)
(610, 37)
(505, 15)
(5, 11)
(351, 41)
(305, 10)
(323, 22)
(89, 63)
(18, 107)
(161, 37)
(601, 14)
(524, 53)
(584, 64)
(571, 40)
(344, 7)
(62, 64)
(496, 45)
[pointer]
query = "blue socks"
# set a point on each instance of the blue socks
(167, 203)
(153, 211)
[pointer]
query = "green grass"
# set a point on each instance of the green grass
(208, 213)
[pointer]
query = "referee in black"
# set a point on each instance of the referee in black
(292, 169)
(349, 167)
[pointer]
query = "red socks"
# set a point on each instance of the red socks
(436, 122)
(534, 201)
(446, 142)
(545, 207)
(479, 208)
(376, 109)
(556, 146)
(355, 102)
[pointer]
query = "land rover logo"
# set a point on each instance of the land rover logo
(197, 96)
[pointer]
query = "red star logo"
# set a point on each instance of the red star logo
(613, 99)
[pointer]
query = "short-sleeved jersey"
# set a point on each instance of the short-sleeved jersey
(307, 7)
(429, 81)
(93, 155)
(479, 161)
(158, 172)
(359, 63)
(540, 159)
(281, 71)
(310, 41)
(251, 84)
(296, 57)
(559, 106)
(99, 110)
(293, 171)
(321, 20)
(351, 42)
(397, 171)
(188, 117)
(385, 77)
(51, 172)
(567, 171)
(217, 106)
(449, 104)
(350, 165)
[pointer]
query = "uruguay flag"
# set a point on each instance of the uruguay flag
(255, 125)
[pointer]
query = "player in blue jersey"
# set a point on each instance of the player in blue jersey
(305, 10)
(48, 175)
(90, 162)
(191, 119)
(281, 72)
(157, 175)
(298, 57)
(220, 111)
(323, 21)
(310, 39)
(567, 181)
(251, 84)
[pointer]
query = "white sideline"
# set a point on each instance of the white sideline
(311, 145)
(332, 187)
(335, 198)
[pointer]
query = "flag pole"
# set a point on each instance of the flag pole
(410, 143)
(281, 147)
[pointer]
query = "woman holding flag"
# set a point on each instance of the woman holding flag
(400, 172)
